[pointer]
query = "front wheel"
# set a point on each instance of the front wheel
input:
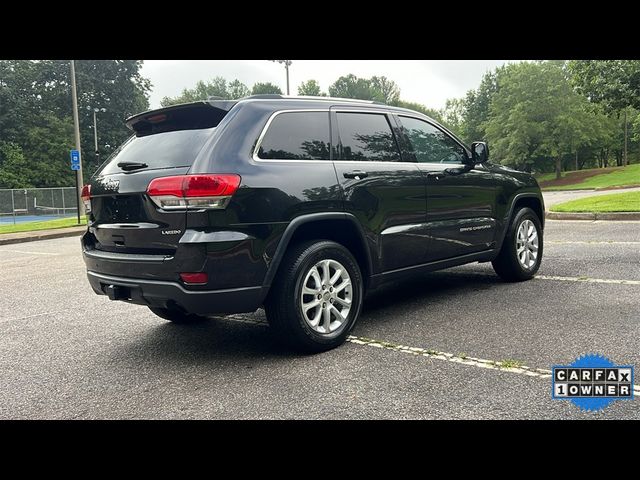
(521, 253)
(317, 295)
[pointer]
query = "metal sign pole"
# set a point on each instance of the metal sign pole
(77, 198)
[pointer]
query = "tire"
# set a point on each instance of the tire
(176, 316)
(288, 308)
(509, 264)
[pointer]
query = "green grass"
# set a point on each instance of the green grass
(510, 364)
(616, 202)
(49, 224)
(629, 175)
(545, 177)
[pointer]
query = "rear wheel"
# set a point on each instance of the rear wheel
(316, 297)
(176, 316)
(521, 253)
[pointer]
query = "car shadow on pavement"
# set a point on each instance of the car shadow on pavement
(429, 288)
(214, 340)
(247, 338)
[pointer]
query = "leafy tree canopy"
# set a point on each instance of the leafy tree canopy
(613, 83)
(265, 88)
(35, 113)
(310, 88)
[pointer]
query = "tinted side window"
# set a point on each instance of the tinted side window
(431, 145)
(367, 137)
(297, 136)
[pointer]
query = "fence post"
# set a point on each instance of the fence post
(64, 211)
(13, 207)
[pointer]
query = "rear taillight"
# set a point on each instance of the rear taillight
(198, 278)
(193, 191)
(86, 197)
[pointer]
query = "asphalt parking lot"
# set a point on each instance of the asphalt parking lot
(66, 353)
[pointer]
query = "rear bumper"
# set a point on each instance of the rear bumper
(164, 294)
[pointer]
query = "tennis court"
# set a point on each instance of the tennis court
(31, 218)
(23, 205)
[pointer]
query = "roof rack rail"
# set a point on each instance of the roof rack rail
(310, 97)
(265, 95)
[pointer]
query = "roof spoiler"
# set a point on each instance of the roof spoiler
(184, 116)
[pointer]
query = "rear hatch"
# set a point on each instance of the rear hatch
(123, 218)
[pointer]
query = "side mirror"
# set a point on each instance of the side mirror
(479, 152)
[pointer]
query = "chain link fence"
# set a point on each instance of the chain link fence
(34, 204)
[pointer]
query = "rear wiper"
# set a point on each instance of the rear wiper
(132, 165)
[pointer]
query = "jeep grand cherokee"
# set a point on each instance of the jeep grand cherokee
(300, 205)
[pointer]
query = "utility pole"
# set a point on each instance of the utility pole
(95, 136)
(286, 66)
(95, 131)
(287, 63)
(76, 126)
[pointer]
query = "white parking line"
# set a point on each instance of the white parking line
(585, 279)
(27, 253)
(505, 366)
(588, 280)
(579, 242)
(28, 316)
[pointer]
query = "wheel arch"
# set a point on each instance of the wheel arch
(531, 200)
(340, 227)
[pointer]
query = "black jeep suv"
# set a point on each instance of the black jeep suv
(300, 205)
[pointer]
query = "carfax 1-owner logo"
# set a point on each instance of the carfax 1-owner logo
(592, 382)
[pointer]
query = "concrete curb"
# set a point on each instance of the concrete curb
(11, 238)
(593, 216)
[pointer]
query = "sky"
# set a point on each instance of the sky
(429, 82)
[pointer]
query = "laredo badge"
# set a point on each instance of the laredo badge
(592, 382)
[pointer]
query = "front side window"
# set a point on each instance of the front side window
(367, 137)
(297, 136)
(431, 145)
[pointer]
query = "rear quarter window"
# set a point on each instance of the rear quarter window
(296, 136)
(161, 150)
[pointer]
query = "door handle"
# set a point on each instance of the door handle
(435, 175)
(357, 174)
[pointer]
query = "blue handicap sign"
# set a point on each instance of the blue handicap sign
(75, 166)
(75, 157)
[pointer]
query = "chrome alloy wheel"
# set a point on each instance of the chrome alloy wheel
(527, 244)
(326, 296)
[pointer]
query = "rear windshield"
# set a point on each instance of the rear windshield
(161, 150)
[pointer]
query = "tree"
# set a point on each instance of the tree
(119, 88)
(265, 88)
(429, 112)
(350, 86)
(452, 116)
(310, 88)
(385, 90)
(534, 115)
(476, 107)
(35, 111)
(13, 167)
(217, 87)
(615, 84)
(237, 89)
(46, 146)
